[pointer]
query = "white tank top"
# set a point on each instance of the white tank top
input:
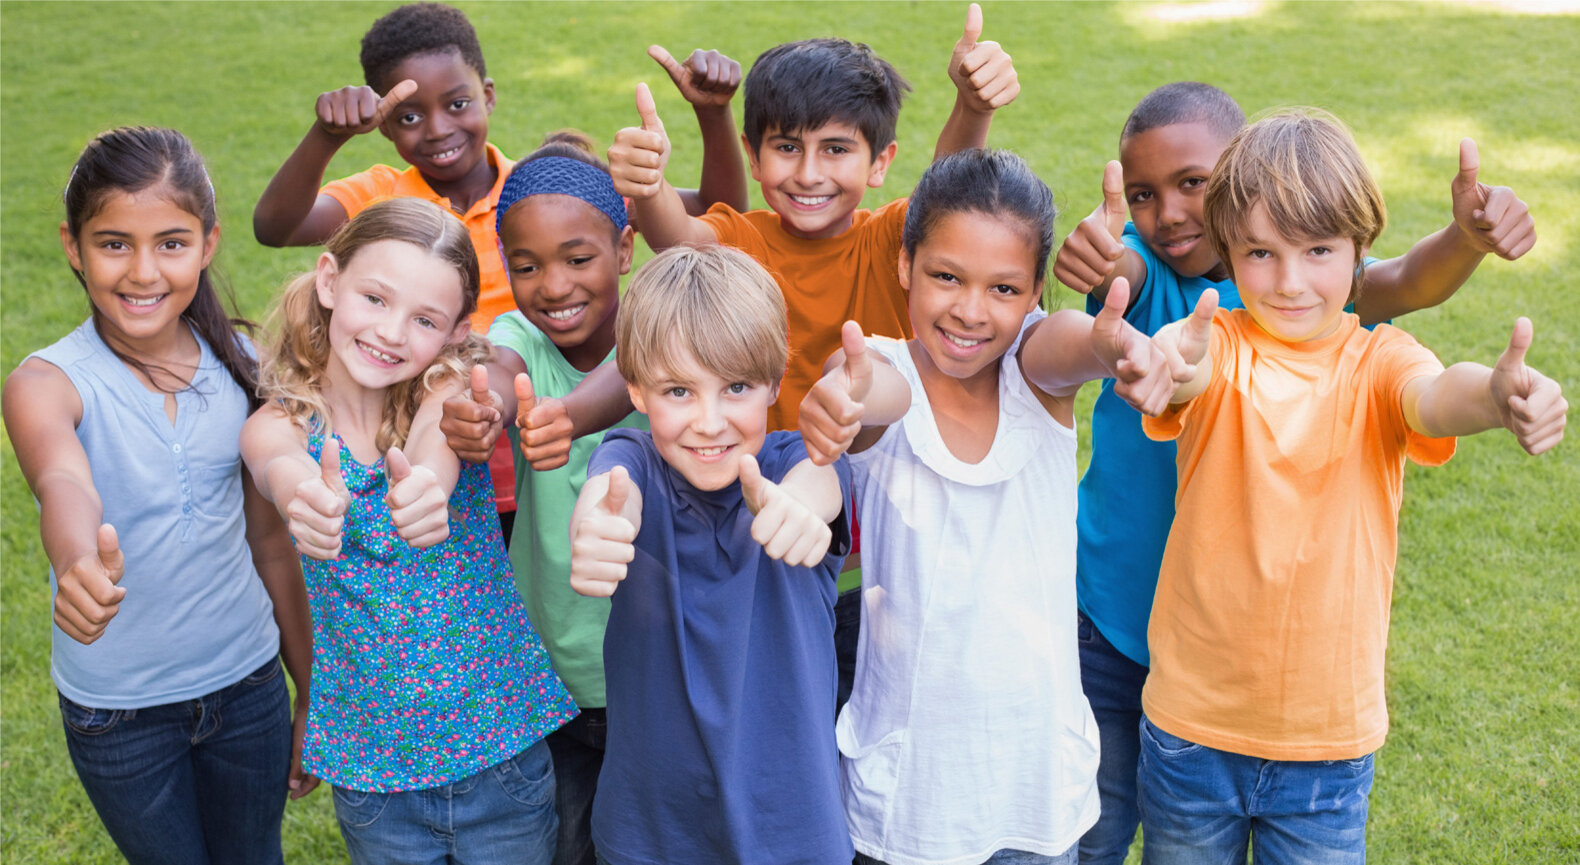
(967, 731)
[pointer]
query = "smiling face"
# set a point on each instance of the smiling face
(1166, 171)
(702, 423)
(141, 256)
(393, 308)
(1295, 289)
(814, 179)
(565, 262)
(971, 281)
(443, 127)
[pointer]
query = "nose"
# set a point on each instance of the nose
(557, 283)
(809, 171)
(709, 420)
(970, 307)
(1171, 209)
(1291, 279)
(438, 125)
(145, 267)
(391, 328)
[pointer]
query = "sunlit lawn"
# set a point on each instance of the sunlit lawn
(1484, 671)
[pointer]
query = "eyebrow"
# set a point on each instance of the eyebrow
(169, 232)
(944, 262)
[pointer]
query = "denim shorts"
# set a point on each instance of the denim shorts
(503, 814)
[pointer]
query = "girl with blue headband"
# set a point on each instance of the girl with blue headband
(566, 241)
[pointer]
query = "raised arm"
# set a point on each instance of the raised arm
(1487, 219)
(849, 407)
(637, 160)
(1069, 348)
(1469, 398)
(42, 410)
(291, 212)
(708, 80)
(1093, 256)
(985, 81)
(604, 526)
(310, 496)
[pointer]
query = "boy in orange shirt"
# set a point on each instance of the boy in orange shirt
(1265, 701)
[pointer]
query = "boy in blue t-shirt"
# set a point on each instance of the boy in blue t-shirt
(724, 541)
(1169, 145)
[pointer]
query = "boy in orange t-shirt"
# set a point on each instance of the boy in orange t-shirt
(1265, 698)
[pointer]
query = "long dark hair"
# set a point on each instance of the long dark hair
(992, 182)
(134, 158)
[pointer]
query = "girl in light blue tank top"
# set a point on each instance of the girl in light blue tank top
(169, 572)
(431, 694)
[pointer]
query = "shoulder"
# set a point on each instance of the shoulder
(623, 446)
(512, 330)
(363, 188)
(782, 450)
(41, 391)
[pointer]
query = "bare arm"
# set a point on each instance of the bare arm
(858, 396)
(637, 160)
(1094, 255)
(708, 80)
(291, 212)
(791, 518)
(1469, 398)
(985, 80)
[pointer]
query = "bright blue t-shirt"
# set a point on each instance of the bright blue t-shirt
(1126, 498)
(720, 675)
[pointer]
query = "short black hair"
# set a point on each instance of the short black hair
(991, 182)
(414, 29)
(802, 85)
(1185, 102)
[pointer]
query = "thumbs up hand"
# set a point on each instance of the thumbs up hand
(546, 427)
(472, 421)
(353, 111)
(1091, 252)
(1530, 405)
(418, 506)
(316, 513)
(1140, 369)
(707, 79)
(1492, 218)
(640, 153)
(88, 594)
(787, 529)
(982, 71)
(603, 535)
(831, 411)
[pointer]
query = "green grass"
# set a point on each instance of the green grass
(1484, 670)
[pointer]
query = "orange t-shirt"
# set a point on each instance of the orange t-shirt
(1271, 616)
(825, 282)
(358, 191)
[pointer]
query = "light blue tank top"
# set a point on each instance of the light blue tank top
(195, 617)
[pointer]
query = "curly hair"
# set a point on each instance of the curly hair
(297, 354)
(413, 29)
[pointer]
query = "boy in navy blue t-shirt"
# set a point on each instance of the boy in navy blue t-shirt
(724, 541)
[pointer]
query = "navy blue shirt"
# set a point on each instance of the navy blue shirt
(719, 663)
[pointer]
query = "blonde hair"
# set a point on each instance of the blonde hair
(297, 353)
(1304, 167)
(717, 303)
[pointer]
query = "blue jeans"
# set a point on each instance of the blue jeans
(578, 749)
(190, 783)
(1202, 806)
(1112, 683)
(503, 814)
(847, 635)
(1002, 857)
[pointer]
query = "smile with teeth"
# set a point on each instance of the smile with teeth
(961, 341)
(447, 154)
(377, 355)
(710, 451)
(565, 314)
(1181, 242)
(142, 301)
(811, 200)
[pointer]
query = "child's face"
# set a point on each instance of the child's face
(1166, 170)
(443, 127)
(392, 310)
(814, 179)
(702, 423)
(971, 282)
(141, 256)
(565, 263)
(1294, 288)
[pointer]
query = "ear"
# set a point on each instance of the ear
(462, 328)
(324, 276)
(210, 244)
(626, 248)
(488, 95)
(880, 164)
(636, 397)
(904, 265)
(751, 158)
(68, 241)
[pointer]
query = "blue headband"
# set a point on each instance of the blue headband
(560, 175)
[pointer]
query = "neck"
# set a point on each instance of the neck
(357, 412)
(590, 353)
(469, 190)
(976, 393)
(172, 353)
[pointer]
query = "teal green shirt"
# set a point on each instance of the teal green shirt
(570, 625)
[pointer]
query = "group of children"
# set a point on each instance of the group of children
(649, 674)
